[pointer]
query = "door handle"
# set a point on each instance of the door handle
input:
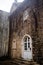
(30, 48)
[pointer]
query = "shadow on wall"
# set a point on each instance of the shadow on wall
(4, 58)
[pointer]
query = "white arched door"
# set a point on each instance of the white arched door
(27, 47)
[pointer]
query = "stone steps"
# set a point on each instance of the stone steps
(18, 62)
(24, 62)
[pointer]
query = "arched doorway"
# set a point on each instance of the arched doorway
(27, 47)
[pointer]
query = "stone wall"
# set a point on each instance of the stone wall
(14, 7)
(37, 34)
(4, 33)
(30, 23)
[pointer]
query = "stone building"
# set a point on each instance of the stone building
(4, 33)
(14, 7)
(25, 38)
(26, 31)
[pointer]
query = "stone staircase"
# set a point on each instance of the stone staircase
(18, 62)
(24, 62)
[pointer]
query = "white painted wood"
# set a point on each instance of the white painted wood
(27, 54)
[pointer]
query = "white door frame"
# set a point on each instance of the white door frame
(23, 42)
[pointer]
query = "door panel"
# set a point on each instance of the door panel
(27, 48)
